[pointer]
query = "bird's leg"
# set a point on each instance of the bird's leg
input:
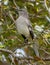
(25, 39)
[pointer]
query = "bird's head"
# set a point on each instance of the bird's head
(23, 12)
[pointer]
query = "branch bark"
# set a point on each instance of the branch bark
(27, 58)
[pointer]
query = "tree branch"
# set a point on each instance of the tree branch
(27, 58)
(48, 9)
(7, 51)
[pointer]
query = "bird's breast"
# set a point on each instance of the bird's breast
(22, 27)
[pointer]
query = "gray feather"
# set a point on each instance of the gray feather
(23, 24)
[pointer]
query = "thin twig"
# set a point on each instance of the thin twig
(45, 51)
(17, 7)
(46, 5)
(48, 9)
(7, 51)
(47, 18)
(10, 15)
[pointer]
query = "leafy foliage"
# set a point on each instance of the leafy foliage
(10, 39)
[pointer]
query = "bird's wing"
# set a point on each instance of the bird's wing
(28, 23)
(30, 28)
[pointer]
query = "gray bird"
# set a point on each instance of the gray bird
(23, 25)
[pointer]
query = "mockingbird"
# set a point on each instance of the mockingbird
(23, 25)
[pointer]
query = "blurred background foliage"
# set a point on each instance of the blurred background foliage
(39, 16)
